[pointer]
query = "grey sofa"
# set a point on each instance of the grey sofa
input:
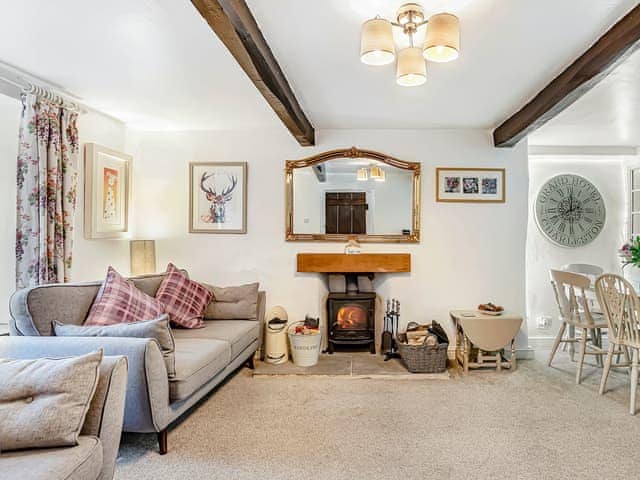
(95, 455)
(203, 357)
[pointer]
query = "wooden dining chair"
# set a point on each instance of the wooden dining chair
(621, 307)
(593, 272)
(569, 289)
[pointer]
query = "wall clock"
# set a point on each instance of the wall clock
(570, 211)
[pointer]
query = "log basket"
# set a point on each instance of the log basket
(423, 358)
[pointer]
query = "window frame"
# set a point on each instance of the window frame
(630, 206)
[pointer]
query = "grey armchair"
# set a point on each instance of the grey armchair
(95, 455)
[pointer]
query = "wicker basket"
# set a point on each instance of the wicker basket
(423, 358)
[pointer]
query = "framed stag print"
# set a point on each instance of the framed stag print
(218, 197)
(483, 185)
(107, 190)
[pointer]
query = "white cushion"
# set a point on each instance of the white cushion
(43, 402)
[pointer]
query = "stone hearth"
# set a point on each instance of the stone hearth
(348, 365)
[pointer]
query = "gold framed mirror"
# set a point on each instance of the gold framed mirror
(350, 193)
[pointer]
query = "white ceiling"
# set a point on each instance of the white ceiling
(607, 115)
(510, 50)
(156, 64)
(152, 63)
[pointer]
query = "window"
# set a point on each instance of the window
(634, 202)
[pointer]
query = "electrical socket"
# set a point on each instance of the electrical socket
(543, 322)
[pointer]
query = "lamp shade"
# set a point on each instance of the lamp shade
(143, 256)
(362, 175)
(412, 70)
(376, 43)
(442, 40)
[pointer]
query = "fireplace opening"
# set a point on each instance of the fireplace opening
(351, 319)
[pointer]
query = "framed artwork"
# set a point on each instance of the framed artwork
(485, 185)
(107, 192)
(218, 197)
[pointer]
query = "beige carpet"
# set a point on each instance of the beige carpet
(534, 423)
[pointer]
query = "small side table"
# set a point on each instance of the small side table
(489, 334)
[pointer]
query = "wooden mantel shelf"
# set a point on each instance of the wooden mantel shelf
(358, 263)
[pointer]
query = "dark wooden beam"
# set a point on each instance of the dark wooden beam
(596, 63)
(233, 23)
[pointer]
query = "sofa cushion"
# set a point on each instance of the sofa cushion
(231, 303)
(82, 462)
(35, 309)
(43, 402)
(239, 333)
(157, 329)
(197, 361)
(183, 299)
(119, 301)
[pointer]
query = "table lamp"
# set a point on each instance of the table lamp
(143, 256)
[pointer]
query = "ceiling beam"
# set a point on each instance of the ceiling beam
(591, 67)
(233, 23)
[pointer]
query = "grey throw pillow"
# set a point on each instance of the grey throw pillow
(233, 303)
(157, 329)
(43, 402)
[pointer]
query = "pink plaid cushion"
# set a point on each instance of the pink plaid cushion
(183, 299)
(121, 302)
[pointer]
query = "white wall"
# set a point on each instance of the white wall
(464, 257)
(469, 253)
(607, 173)
(91, 257)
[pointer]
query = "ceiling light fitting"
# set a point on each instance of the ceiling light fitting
(376, 173)
(441, 42)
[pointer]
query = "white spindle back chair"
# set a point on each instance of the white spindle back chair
(621, 307)
(569, 289)
(591, 271)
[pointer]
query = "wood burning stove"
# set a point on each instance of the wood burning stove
(351, 320)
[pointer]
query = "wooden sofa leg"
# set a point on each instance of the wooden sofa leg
(162, 441)
(250, 363)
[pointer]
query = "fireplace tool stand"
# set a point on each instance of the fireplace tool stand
(390, 335)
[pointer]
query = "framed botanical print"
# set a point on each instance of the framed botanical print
(485, 185)
(107, 192)
(218, 197)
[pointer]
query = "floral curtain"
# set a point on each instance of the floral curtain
(47, 185)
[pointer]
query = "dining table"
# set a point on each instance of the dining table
(488, 335)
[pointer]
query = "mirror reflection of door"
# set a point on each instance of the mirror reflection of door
(346, 213)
